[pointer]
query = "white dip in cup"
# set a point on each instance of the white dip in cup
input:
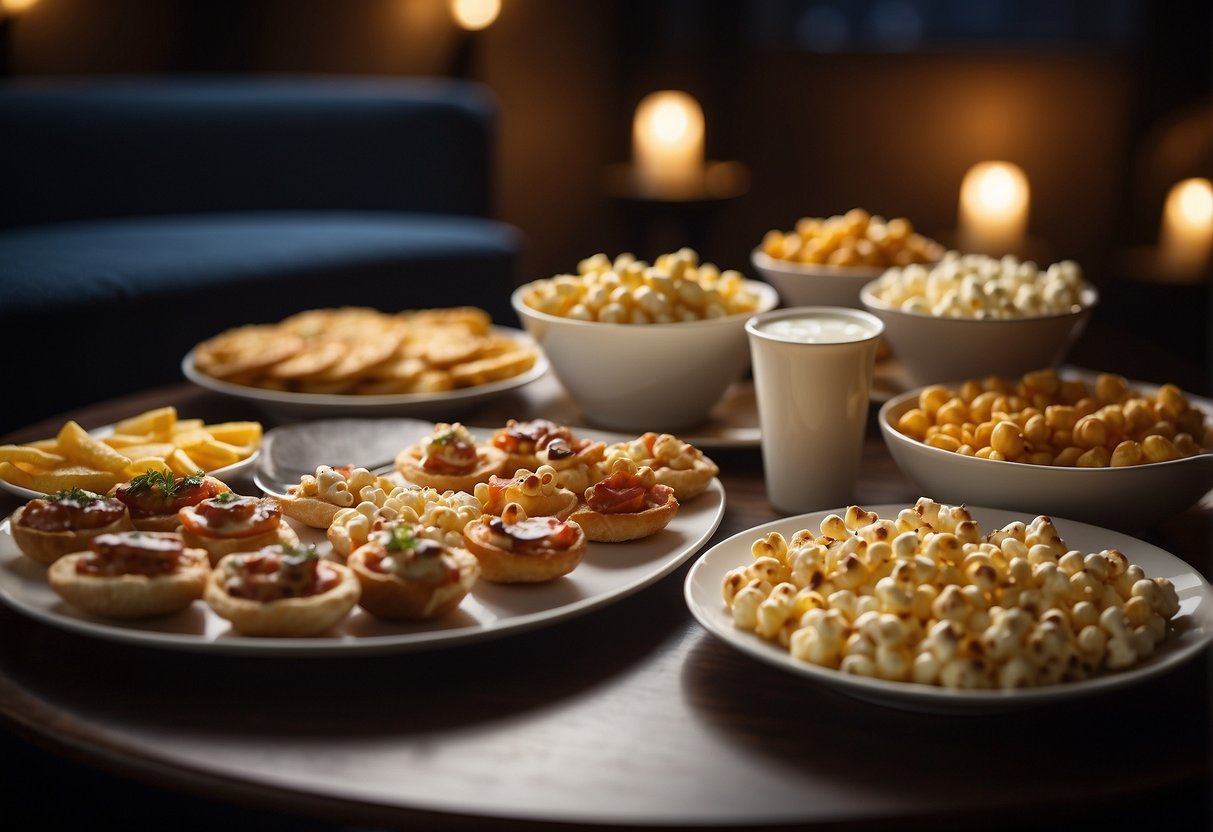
(813, 368)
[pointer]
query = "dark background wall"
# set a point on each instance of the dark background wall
(831, 105)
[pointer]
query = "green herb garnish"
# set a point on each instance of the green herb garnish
(402, 539)
(295, 554)
(76, 493)
(152, 478)
(225, 497)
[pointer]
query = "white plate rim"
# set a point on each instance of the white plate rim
(702, 592)
(462, 395)
(228, 471)
(707, 516)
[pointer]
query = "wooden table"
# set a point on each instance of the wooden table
(631, 714)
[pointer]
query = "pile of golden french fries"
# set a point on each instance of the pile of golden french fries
(154, 440)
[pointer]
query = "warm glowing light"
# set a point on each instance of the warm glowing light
(475, 14)
(1186, 237)
(16, 6)
(993, 215)
(667, 144)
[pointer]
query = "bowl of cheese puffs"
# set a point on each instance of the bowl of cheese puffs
(642, 346)
(1089, 447)
(825, 261)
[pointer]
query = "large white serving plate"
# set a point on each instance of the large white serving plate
(1192, 626)
(236, 469)
(287, 405)
(608, 573)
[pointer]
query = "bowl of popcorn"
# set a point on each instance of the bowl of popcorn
(1091, 448)
(972, 315)
(825, 261)
(642, 346)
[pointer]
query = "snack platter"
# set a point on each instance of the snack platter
(609, 573)
(1192, 626)
(290, 404)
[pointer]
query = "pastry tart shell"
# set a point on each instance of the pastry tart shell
(130, 596)
(220, 547)
(504, 566)
(48, 547)
(312, 512)
(489, 461)
(286, 617)
(617, 528)
(389, 596)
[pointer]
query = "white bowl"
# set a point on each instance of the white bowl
(1128, 498)
(811, 284)
(935, 349)
(644, 376)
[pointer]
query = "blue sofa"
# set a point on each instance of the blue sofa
(139, 216)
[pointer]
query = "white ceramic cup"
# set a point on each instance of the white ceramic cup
(813, 368)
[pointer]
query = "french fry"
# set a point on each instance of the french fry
(31, 456)
(145, 464)
(76, 444)
(182, 464)
(148, 449)
(183, 425)
(157, 421)
(76, 476)
(156, 440)
(213, 450)
(11, 473)
(120, 441)
(237, 433)
(190, 438)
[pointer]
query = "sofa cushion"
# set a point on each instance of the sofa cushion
(91, 148)
(150, 288)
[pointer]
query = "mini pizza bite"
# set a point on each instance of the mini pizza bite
(47, 528)
(449, 460)
(539, 493)
(154, 498)
(578, 465)
(318, 497)
(677, 464)
(230, 522)
(406, 575)
(515, 548)
(131, 574)
(522, 441)
(628, 505)
(281, 591)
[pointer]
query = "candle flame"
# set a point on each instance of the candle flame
(1193, 200)
(475, 14)
(996, 188)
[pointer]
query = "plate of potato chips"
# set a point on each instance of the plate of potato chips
(99, 459)
(362, 362)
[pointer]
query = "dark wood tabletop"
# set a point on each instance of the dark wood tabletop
(629, 715)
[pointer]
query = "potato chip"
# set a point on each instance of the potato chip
(358, 350)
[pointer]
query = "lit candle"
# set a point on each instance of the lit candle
(1186, 237)
(475, 14)
(667, 145)
(993, 215)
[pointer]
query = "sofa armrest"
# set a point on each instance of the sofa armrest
(107, 148)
